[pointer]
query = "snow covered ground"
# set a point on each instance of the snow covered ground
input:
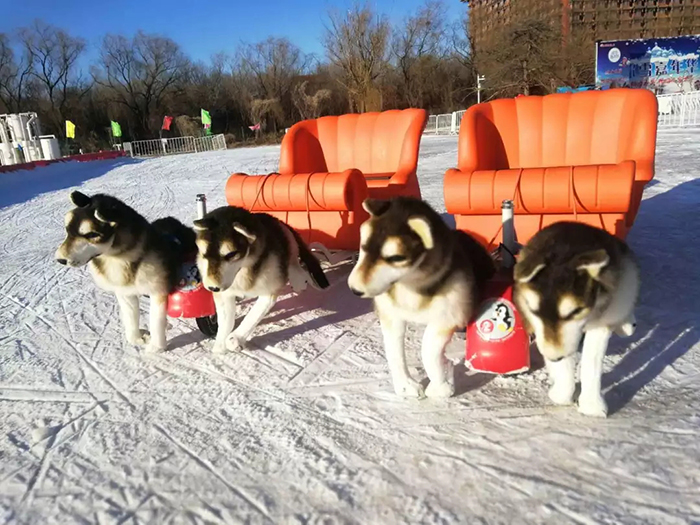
(304, 428)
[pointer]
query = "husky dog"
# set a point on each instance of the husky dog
(418, 270)
(128, 256)
(243, 254)
(573, 279)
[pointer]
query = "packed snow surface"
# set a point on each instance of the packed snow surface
(303, 426)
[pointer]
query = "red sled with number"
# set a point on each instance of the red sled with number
(497, 342)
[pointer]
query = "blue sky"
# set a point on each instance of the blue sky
(201, 27)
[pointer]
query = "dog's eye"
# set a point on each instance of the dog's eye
(91, 235)
(230, 255)
(395, 259)
(574, 313)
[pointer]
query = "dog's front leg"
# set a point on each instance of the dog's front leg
(562, 375)
(129, 310)
(157, 323)
(394, 332)
(435, 339)
(595, 344)
(256, 314)
(225, 318)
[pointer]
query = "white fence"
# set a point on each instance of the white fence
(676, 110)
(175, 146)
(679, 110)
(444, 124)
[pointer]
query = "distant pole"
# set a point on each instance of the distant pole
(479, 80)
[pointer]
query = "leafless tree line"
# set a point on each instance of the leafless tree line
(424, 61)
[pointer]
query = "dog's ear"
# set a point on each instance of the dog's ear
(593, 262)
(375, 207)
(106, 215)
(527, 268)
(202, 224)
(422, 228)
(245, 232)
(80, 199)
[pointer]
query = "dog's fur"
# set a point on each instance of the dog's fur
(129, 257)
(573, 279)
(243, 254)
(418, 270)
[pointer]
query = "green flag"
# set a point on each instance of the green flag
(116, 129)
(206, 117)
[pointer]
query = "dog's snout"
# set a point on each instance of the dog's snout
(556, 359)
(62, 261)
(213, 288)
(357, 292)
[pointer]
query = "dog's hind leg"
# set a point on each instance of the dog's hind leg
(595, 344)
(256, 314)
(297, 277)
(129, 311)
(435, 339)
(394, 332)
(158, 320)
(225, 318)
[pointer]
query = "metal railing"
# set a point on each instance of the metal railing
(174, 146)
(676, 110)
(444, 123)
(679, 110)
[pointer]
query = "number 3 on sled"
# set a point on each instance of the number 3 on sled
(191, 299)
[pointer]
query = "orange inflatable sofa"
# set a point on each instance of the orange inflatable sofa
(582, 156)
(328, 166)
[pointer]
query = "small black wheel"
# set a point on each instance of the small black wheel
(207, 325)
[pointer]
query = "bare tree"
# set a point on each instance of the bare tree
(54, 54)
(273, 64)
(14, 76)
(356, 42)
(310, 106)
(525, 60)
(267, 112)
(140, 73)
(419, 49)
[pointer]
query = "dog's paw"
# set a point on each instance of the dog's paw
(594, 406)
(626, 329)
(562, 394)
(235, 343)
(218, 348)
(409, 388)
(154, 348)
(441, 390)
(140, 338)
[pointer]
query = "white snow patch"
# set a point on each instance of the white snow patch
(304, 427)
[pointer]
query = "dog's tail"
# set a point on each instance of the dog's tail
(310, 263)
(174, 230)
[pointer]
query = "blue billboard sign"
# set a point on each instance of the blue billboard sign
(660, 64)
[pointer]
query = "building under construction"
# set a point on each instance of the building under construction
(590, 19)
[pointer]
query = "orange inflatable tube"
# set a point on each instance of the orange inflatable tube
(595, 189)
(298, 192)
(322, 207)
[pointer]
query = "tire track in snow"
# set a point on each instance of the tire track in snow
(324, 360)
(75, 348)
(204, 463)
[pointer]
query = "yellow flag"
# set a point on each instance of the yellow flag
(70, 129)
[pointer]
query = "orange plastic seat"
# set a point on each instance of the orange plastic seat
(343, 160)
(585, 156)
